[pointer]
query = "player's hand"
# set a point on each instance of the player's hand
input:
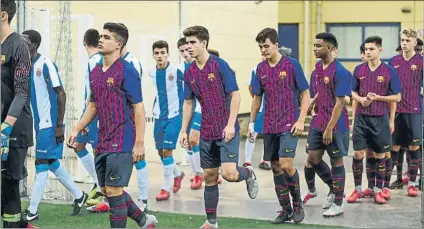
(184, 140)
(365, 101)
(138, 151)
(60, 134)
(228, 133)
(327, 137)
(298, 128)
(372, 96)
(72, 139)
(251, 131)
(392, 127)
(6, 130)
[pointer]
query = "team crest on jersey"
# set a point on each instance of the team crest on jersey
(3, 59)
(38, 72)
(170, 77)
(110, 81)
(326, 80)
(380, 79)
(414, 67)
(211, 76)
(283, 74)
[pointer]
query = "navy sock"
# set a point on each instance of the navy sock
(381, 172)
(370, 170)
(244, 173)
(294, 187)
(358, 169)
(389, 168)
(118, 211)
(310, 178)
(414, 164)
(211, 202)
(339, 178)
(399, 164)
(134, 212)
(324, 173)
(282, 191)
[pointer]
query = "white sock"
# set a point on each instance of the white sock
(168, 168)
(248, 151)
(65, 179)
(40, 183)
(142, 179)
(87, 160)
(176, 171)
(196, 159)
(190, 160)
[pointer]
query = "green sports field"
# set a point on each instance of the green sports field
(57, 216)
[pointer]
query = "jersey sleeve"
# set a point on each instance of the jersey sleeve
(355, 80)
(228, 77)
(251, 76)
(312, 85)
(299, 75)
(256, 85)
(188, 93)
(51, 74)
(132, 85)
(395, 86)
(342, 81)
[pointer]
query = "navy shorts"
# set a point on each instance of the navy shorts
(372, 132)
(114, 169)
(339, 147)
(279, 145)
(215, 152)
(408, 129)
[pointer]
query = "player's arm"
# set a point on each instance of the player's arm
(341, 89)
(231, 89)
(21, 65)
(393, 94)
(88, 116)
(392, 116)
(355, 88)
(251, 83)
(301, 85)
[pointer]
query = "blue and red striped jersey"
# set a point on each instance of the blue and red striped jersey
(410, 74)
(382, 81)
(281, 85)
(332, 82)
(114, 92)
(212, 86)
(313, 84)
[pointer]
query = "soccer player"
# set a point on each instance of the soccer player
(330, 127)
(210, 80)
(408, 122)
(280, 79)
(375, 85)
(116, 86)
(48, 106)
(16, 118)
(194, 129)
(167, 111)
(399, 49)
(419, 47)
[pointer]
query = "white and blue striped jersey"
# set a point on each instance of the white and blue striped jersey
(129, 57)
(251, 80)
(94, 60)
(44, 78)
(169, 97)
(197, 107)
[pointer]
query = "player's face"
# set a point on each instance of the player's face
(407, 43)
(372, 51)
(160, 55)
(363, 57)
(32, 47)
(108, 43)
(268, 49)
(184, 52)
(195, 46)
(321, 49)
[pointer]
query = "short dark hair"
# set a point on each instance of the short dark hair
(91, 38)
(34, 37)
(267, 33)
(419, 42)
(198, 31)
(374, 39)
(328, 37)
(181, 41)
(160, 44)
(213, 52)
(119, 29)
(9, 6)
(362, 48)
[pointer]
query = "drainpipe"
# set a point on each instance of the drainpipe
(306, 37)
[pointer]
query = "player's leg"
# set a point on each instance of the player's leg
(286, 152)
(194, 143)
(337, 150)
(118, 173)
(142, 182)
(309, 173)
(398, 139)
(259, 126)
(100, 164)
(413, 125)
(159, 134)
(370, 168)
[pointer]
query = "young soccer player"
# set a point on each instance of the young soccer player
(408, 122)
(375, 85)
(167, 111)
(194, 129)
(116, 86)
(210, 80)
(330, 127)
(16, 118)
(48, 106)
(419, 47)
(281, 80)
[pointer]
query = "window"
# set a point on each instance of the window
(351, 36)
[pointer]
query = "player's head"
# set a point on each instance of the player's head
(113, 38)
(362, 51)
(267, 40)
(8, 10)
(373, 47)
(183, 48)
(197, 38)
(325, 44)
(160, 52)
(419, 46)
(408, 40)
(285, 51)
(213, 52)
(33, 39)
(91, 38)
(399, 49)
